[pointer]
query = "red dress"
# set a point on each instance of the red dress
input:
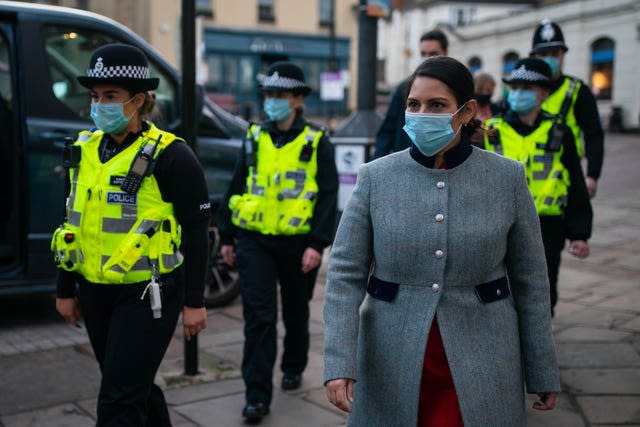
(438, 404)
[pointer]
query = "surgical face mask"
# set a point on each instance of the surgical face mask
(430, 132)
(553, 63)
(522, 101)
(277, 109)
(109, 117)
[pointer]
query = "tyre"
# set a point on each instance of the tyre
(221, 284)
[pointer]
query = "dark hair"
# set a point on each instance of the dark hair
(438, 36)
(452, 73)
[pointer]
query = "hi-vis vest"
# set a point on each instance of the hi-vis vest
(547, 177)
(553, 105)
(281, 187)
(111, 236)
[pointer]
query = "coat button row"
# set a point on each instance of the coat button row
(439, 217)
(439, 253)
(440, 184)
(435, 287)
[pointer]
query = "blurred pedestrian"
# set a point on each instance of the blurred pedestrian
(545, 146)
(135, 192)
(390, 136)
(422, 326)
(281, 207)
(484, 86)
(572, 100)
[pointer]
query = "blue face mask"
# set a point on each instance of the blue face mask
(110, 117)
(429, 132)
(553, 63)
(522, 101)
(277, 109)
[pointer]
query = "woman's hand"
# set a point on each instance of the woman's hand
(228, 254)
(310, 259)
(547, 401)
(340, 393)
(579, 248)
(69, 310)
(193, 321)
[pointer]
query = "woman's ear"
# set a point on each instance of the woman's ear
(469, 111)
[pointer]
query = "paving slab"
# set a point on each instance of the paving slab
(46, 378)
(65, 415)
(588, 334)
(565, 414)
(611, 409)
(286, 411)
(632, 325)
(597, 355)
(592, 316)
(602, 381)
(205, 391)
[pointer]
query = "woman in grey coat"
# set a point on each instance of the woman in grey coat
(421, 325)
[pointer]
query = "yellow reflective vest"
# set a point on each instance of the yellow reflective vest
(547, 177)
(553, 105)
(111, 236)
(281, 187)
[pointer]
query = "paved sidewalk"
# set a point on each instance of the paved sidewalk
(49, 378)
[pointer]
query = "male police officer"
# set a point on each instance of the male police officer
(571, 99)
(390, 136)
(281, 206)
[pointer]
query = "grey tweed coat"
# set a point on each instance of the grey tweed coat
(414, 243)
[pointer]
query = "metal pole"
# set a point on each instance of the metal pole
(189, 130)
(367, 40)
(333, 60)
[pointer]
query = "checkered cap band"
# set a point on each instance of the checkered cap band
(126, 71)
(275, 80)
(521, 73)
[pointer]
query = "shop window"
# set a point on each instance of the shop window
(602, 59)
(265, 11)
(509, 62)
(474, 64)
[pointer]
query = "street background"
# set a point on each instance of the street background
(48, 376)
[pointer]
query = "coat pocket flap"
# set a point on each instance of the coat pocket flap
(382, 290)
(493, 291)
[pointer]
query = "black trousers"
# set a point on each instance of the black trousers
(263, 261)
(129, 345)
(553, 238)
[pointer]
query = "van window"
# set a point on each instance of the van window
(68, 52)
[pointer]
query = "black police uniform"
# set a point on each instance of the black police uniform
(391, 137)
(128, 342)
(264, 260)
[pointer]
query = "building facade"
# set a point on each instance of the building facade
(603, 38)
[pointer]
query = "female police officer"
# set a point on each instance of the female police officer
(135, 193)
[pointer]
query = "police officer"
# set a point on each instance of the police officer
(546, 147)
(281, 206)
(390, 137)
(571, 99)
(135, 194)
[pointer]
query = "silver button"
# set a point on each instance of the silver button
(439, 254)
(435, 287)
(440, 184)
(439, 217)
(498, 292)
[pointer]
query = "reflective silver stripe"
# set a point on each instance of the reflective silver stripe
(311, 135)
(146, 225)
(74, 218)
(258, 191)
(309, 195)
(540, 145)
(548, 200)
(81, 256)
(295, 221)
(116, 225)
(170, 261)
(83, 136)
(130, 212)
(73, 257)
(74, 184)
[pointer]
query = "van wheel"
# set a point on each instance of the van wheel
(221, 284)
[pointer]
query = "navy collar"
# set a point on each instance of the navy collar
(454, 157)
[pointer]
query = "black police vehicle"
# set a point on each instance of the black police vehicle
(42, 50)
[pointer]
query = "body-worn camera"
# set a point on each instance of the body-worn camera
(556, 135)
